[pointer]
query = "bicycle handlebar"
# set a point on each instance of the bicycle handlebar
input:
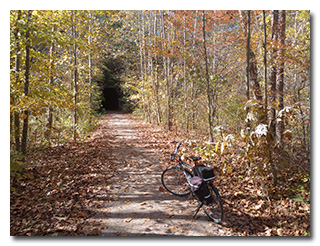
(177, 147)
(175, 150)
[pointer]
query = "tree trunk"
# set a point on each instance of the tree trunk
(166, 68)
(156, 75)
(252, 68)
(265, 60)
(141, 53)
(248, 56)
(26, 85)
(185, 85)
(193, 86)
(75, 78)
(253, 74)
(90, 61)
(17, 71)
(211, 112)
(280, 74)
(51, 81)
(247, 25)
(273, 76)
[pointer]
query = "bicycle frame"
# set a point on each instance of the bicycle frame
(214, 209)
(182, 163)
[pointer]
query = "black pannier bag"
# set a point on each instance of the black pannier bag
(201, 190)
(204, 172)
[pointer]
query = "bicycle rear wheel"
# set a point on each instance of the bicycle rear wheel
(174, 180)
(214, 210)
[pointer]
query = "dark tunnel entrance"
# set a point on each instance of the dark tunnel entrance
(111, 99)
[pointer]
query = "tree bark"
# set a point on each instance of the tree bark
(253, 75)
(280, 74)
(252, 68)
(166, 67)
(156, 79)
(211, 112)
(26, 85)
(75, 77)
(17, 72)
(185, 85)
(273, 76)
(248, 56)
(51, 81)
(193, 85)
(265, 60)
(90, 60)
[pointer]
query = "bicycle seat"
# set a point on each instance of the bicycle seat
(194, 158)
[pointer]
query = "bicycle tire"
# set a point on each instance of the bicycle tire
(174, 181)
(214, 210)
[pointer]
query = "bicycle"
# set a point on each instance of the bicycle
(175, 179)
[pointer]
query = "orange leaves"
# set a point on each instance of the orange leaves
(127, 202)
(161, 189)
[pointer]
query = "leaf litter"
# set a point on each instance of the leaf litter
(71, 183)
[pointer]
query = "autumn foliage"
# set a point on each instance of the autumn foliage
(233, 86)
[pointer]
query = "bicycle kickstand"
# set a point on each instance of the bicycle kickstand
(198, 209)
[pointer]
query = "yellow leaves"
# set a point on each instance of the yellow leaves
(23, 116)
(227, 169)
(222, 147)
(128, 219)
(216, 148)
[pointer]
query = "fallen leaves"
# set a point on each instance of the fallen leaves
(128, 219)
(170, 215)
(147, 219)
(61, 196)
(70, 183)
(161, 189)
(174, 228)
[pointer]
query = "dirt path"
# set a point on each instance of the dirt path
(139, 206)
(110, 185)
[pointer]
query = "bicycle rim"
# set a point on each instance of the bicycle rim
(214, 210)
(174, 181)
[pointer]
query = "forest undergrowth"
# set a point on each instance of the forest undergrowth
(58, 196)
(249, 208)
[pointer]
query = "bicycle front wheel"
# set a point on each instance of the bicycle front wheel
(174, 180)
(214, 210)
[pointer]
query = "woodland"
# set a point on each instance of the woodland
(233, 86)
